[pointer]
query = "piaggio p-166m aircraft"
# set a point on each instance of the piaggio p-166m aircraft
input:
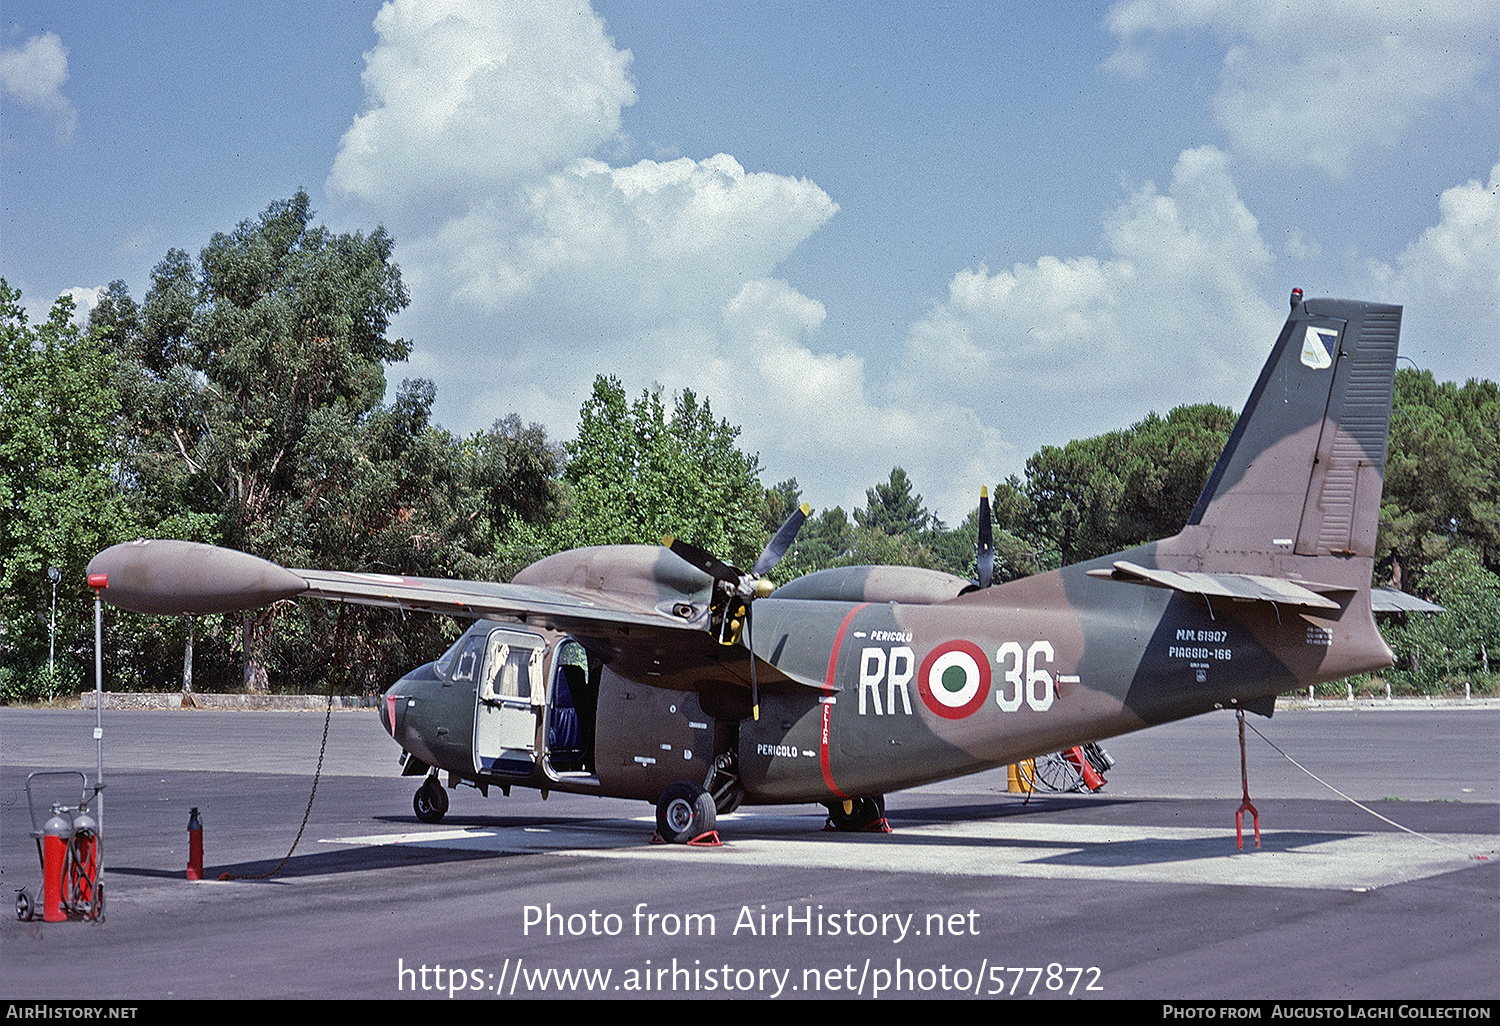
(640, 672)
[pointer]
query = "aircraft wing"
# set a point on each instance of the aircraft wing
(187, 578)
(643, 612)
(629, 632)
(476, 599)
(1256, 588)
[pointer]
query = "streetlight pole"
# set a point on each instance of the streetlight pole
(54, 575)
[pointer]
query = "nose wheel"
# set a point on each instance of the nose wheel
(430, 803)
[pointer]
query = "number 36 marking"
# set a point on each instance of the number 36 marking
(1035, 688)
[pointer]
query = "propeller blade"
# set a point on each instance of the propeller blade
(781, 542)
(703, 560)
(744, 589)
(986, 560)
(754, 684)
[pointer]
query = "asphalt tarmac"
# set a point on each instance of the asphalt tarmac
(1136, 892)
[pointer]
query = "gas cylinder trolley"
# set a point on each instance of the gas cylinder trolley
(68, 845)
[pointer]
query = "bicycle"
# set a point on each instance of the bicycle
(1080, 768)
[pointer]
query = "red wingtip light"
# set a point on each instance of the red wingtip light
(98, 581)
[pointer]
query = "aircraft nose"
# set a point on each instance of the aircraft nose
(387, 719)
(392, 705)
(398, 696)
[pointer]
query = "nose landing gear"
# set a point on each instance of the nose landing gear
(430, 803)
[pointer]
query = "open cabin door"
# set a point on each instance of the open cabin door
(508, 701)
(572, 711)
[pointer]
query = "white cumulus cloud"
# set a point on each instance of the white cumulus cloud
(824, 418)
(1449, 282)
(640, 245)
(535, 266)
(1312, 83)
(470, 96)
(33, 76)
(84, 301)
(1067, 347)
(627, 271)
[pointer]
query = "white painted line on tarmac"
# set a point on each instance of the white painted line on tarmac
(1322, 860)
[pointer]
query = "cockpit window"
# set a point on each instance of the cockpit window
(502, 661)
(461, 661)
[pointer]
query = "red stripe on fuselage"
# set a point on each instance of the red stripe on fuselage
(833, 665)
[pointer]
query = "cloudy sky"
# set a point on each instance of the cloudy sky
(871, 234)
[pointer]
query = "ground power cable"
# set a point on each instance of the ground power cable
(1387, 819)
(318, 772)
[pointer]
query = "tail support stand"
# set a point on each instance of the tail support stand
(1239, 839)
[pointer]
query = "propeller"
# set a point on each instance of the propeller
(986, 557)
(781, 541)
(735, 591)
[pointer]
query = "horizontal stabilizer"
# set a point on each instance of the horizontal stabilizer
(1238, 587)
(1389, 600)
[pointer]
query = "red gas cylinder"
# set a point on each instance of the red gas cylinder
(55, 835)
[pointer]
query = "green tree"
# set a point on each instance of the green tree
(516, 473)
(636, 473)
(1103, 494)
(1442, 482)
(255, 377)
(828, 537)
(398, 495)
(1439, 650)
(892, 508)
(876, 548)
(257, 367)
(283, 322)
(781, 499)
(826, 540)
(59, 413)
(1019, 550)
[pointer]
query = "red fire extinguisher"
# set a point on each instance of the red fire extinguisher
(195, 846)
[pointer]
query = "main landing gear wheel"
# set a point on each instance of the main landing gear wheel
(430, 803)
(859, 815)
(684, 812)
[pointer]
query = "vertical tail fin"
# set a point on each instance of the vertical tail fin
(1302, 472)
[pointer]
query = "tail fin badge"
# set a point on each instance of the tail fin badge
(1317, 347)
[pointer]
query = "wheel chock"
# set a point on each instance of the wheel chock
(880, 826)
(708, 840)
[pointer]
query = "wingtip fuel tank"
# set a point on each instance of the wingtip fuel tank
(186, 578)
